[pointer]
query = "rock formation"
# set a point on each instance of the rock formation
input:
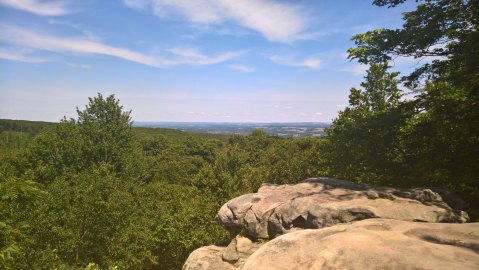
(323, 202)
(411, 220)
(232, 256)
(373, 244)
(209, 257)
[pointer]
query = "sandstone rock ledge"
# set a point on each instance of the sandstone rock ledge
(324, 223)
(323, 202)
(373, 244)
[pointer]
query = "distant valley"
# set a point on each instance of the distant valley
(291, 130)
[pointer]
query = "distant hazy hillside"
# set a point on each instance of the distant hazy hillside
(23, 125)
(305, 129)
(300, 129)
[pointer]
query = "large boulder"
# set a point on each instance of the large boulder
(373, 244)
(322, 202)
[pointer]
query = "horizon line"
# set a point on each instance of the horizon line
(197, 122)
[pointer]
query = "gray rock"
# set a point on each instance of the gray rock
(373, 244)
(321, 202)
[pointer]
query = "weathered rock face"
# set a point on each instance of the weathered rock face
(218, 258)
(325, 223)
(207, 258)
(239, 249)
(322, 202)
(373, 244)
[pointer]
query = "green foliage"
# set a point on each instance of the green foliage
(248, 161)
(101, 134)
(184, 221)
(363, 139)
(17, 198)
(381, 91)
(26, 127)
(13, 139)
(439, 28)
(105, 130)
(16, 134)
(107, 196)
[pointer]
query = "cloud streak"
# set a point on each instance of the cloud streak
(242, 68)
(78, 66)
(194, 57)
(310, 62)
(39, 42)
(20, 57)
(357, 69)
(43, 8)
(276, 21)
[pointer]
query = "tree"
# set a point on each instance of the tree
(362, 139)
(106, 130)
(380, 93)
(101, 134)
(444, 29)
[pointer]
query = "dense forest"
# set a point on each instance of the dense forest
(96, 190)
(92, 192)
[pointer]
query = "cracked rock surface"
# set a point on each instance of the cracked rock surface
(373, 244)
(213, 257)
(322, 202)
(324, 223)
(207, 258)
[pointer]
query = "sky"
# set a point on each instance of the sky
(185, 60)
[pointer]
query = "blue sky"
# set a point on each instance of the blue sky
(184, 60)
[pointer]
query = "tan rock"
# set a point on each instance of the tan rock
(323, 202)
(207, 258)
(373, 244)
(239, 249)
(232, 256)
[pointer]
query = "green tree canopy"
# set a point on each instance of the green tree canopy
(445, 29)
(100, 134)
(363, 138)
(105, 128)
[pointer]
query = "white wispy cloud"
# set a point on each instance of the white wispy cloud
(137, 4)
(242, 68)
(276, 21)
(357, 69)
(195, 57)
(40, 42)
(73, 26)
(79, 66)
(310, 62)
(20, 56)
(29, 39)
(39, 7)
(220, 30)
